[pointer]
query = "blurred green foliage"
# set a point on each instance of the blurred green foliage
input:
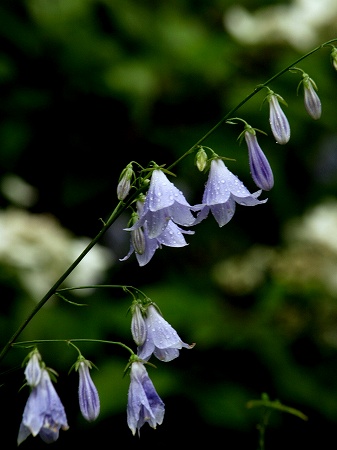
(86, 86)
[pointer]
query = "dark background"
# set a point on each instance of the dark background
(85, 88)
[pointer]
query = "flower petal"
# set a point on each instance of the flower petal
(224, 212)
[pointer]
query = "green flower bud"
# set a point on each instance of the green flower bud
(333, 55)
(201, 159)
(124, 184)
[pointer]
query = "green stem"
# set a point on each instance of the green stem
(115, 214)
(70, 341)
(254, 92)
(125, 287)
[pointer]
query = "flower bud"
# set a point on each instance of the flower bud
(278, 121)
(201, 159)
(87, 392)
(124, 184)
(33, 369)
(312, 102)
(138, 240)
(333, 55)
(138, 327)
(259, 166)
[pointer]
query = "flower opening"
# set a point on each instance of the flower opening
(222, 191)
(44, 413)
(161, 339)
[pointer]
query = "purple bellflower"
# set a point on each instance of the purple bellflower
(222, 191)
(144, 404)
(144, 246)
(161, 339)
(278, 121)
(312, 102)
(44, 414)
(87, 392)
(259, 166)
(163, 202)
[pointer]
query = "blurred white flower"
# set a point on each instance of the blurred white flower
(299, 23)
(317, 226)
(39, 250)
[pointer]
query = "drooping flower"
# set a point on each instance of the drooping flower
(144, 404)
(278, 120)
(312, 102)
(33, 369)
(222, 191)
(44, 413)
(87, 392)
(163, 202)
(161, 339)
(144, 247)
(259, 166)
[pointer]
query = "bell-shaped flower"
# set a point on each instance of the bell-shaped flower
(144, 404)
(312, 102)
(278, 121)
(161, 339)
(222, 191)
(87, 392)
(163, 202)
(259, 166)
(44, 413)
(144, 247)
(33, 369)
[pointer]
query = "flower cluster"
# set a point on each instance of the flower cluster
(160, 215)
(144, 243)
(44, 414)
(153, 335)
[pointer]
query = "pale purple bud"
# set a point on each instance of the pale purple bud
(312, 102)
(33, 369)
(137, 235)
(278, 121)
(87, 392)
(138, 327)
(124, 184)
(259, 166)
(138, 240)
